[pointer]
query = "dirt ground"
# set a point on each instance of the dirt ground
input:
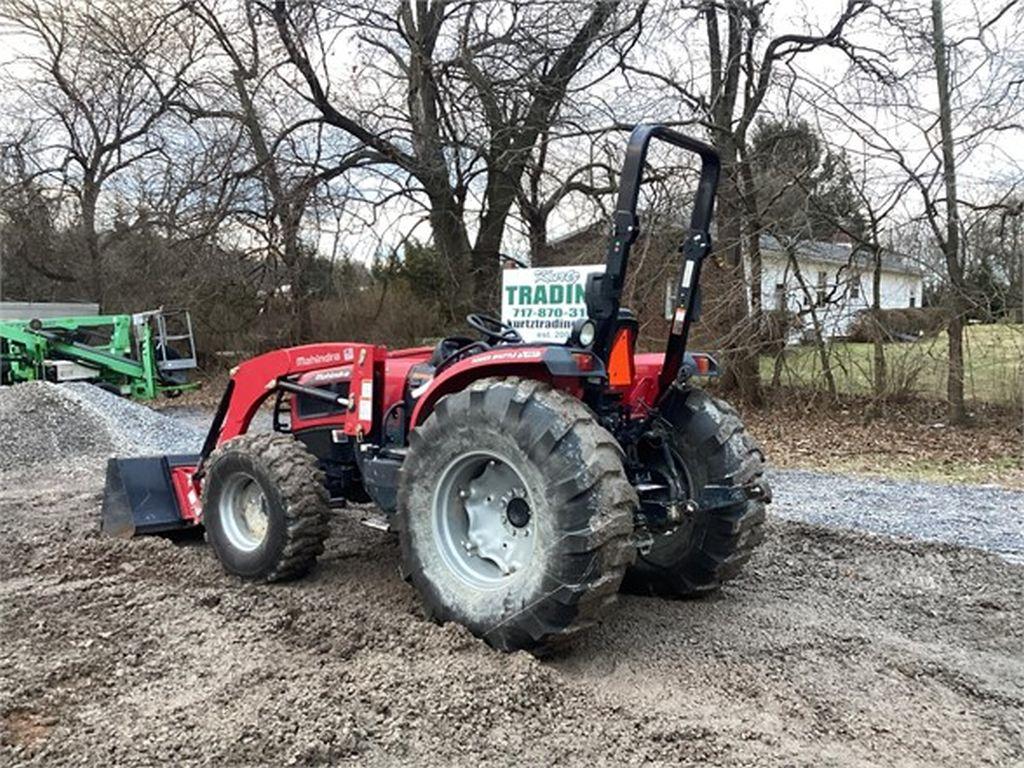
(833, 649)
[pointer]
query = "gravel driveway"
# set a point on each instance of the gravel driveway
(986, 517)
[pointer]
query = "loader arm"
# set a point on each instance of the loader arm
(254, 380)
(154, 494)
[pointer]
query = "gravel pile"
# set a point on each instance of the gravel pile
(43, 423)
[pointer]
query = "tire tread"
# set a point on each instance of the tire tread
(300, 482)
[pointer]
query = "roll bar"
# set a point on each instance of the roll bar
(604, 292)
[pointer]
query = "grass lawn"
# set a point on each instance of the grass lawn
(994, 358)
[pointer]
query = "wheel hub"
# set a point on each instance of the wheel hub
(244, 515)
(483, 519)
(518, 512)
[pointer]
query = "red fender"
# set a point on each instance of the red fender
(527, 362)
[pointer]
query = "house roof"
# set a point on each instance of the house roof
(816, 250)
(840, 253)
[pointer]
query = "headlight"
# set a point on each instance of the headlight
(583, 333)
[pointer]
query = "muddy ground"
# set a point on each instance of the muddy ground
(834, 649)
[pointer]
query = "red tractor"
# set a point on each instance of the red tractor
(527, 483)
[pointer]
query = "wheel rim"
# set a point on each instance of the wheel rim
(243, 512)
(668, 547)
(483, 520)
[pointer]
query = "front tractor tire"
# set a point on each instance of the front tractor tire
(515, 514)
(265, 507)
(707, 437)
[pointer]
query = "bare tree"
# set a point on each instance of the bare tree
(953, 95)
(949, 241)
(94, 81)
(466, 91)
(878, 200)
(281, 145)
(743, 57)
(549, 181)
(28, 251)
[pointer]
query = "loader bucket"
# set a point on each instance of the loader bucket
(139, 496)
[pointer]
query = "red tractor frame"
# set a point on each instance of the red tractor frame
(527, 483)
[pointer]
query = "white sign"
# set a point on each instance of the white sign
(542, 304)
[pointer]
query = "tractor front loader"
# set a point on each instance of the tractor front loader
(527, 482)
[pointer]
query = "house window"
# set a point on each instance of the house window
(913, 300)
(855, 287)
(822, 283)
(780, 296)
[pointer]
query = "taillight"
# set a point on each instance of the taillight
(620, 361)
(584, 361)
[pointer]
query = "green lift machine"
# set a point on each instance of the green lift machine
(141, 355)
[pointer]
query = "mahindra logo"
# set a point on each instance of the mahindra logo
(326, 357)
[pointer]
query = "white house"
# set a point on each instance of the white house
(838, 281)
(837, 276)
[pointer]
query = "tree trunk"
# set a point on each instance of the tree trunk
(753, 220)
(452, 241)
(91, 238)
(951, 243)
(485, 258)
(290, 217)
(955, 379)
(740, 348)
(537, 231)
(779, 361)
(876, 314)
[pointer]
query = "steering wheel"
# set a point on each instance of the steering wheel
(493, 330)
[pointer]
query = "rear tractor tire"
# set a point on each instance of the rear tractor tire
(265, 507)
(515, 514)
(710, 442)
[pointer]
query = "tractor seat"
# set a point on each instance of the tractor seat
(422, 373)
(447, 347)
(446, 351)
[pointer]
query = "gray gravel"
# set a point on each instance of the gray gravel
(134, 426)
(79, 426)
(983, 516)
